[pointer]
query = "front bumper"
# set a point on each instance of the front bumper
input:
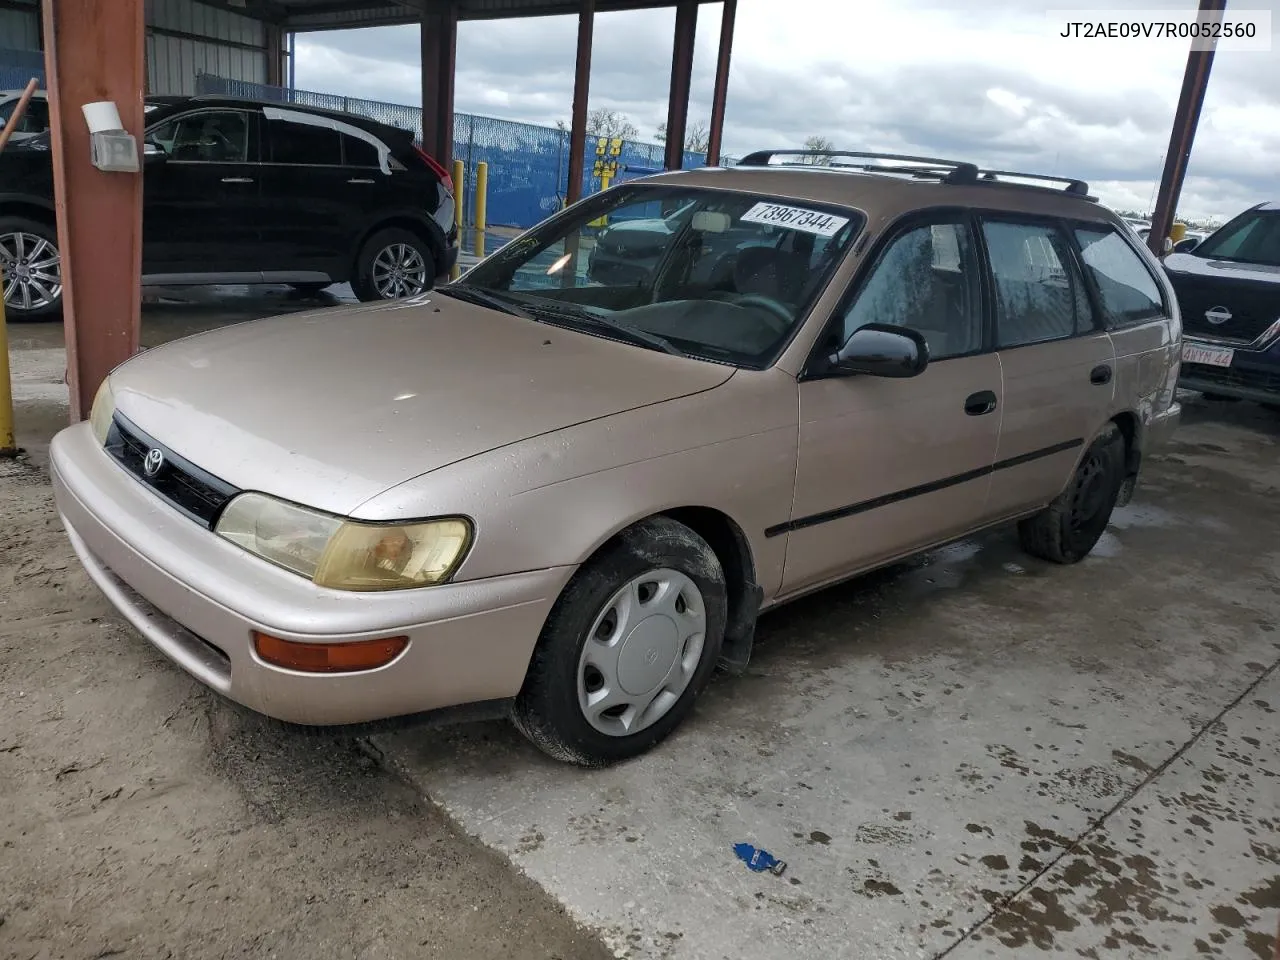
(1253, 374)
(198, 598)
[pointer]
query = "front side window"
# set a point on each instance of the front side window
(211, 136)
(716, 274)
(1128, 292)
(1039, 293)
(1252, 238)
(926, 279)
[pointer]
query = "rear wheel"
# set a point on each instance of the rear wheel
(32, 269)
(627, 648)
(1066, 530)
(393, 264)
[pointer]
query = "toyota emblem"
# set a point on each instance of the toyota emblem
(152, 463)
(1217, 315)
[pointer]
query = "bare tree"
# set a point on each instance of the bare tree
(821, 148)
(603, 122)
(696, 139)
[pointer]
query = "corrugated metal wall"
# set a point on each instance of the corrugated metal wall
(19, 29)
(183, 41)
(185, 38)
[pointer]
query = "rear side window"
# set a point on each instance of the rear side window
(303, 144)
(358, 153)
(1128, 292)
(1039, 292)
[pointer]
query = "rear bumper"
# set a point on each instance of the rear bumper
(1161, 428)
(198, 599)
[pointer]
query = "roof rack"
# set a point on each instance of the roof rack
(947, 171)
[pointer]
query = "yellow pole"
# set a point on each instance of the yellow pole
(8, 444)
(482, 205)
(459, 176)
(604, 185)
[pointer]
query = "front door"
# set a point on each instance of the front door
(201, 209)
(1058, 361)
(887, 467)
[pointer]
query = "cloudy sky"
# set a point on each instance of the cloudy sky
(989, 82)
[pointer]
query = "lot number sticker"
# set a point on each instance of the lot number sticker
(795, 218)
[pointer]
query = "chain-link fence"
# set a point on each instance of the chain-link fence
(528, 164)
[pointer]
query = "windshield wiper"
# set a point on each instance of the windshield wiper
(584, 318)
(485, 298)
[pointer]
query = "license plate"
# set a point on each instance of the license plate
(1211, 356)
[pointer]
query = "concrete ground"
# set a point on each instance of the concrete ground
(974, 754)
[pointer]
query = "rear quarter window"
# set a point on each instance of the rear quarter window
(1126, 287)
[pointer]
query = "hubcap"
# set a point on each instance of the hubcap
(32, 271)
(399, 271)
(642, 652)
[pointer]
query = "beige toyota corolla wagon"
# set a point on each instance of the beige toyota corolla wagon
(565, 487)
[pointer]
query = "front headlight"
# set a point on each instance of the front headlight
(345, 554)
(104, 408)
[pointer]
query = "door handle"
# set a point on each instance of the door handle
(359, 180)
(982, 402)
(237, 179)
(1100, 374)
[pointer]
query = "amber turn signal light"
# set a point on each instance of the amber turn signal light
(348, 657)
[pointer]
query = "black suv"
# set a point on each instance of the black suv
(242, 191)
(1229, 290)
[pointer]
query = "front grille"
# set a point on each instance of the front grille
(1233, 377)
(194, 492)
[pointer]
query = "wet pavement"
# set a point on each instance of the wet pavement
(975, 754)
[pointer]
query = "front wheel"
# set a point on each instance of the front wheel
(1067, 529)
(393, 264)
(627, 648)
(32, 269)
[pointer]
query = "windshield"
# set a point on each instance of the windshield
(1253, 237)
(715, 274)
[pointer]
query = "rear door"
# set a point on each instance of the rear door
(201, 209)
(887, 467)
(324, 181)
(1057, 360)
(1136, 314)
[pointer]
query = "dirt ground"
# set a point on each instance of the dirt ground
(143, 817)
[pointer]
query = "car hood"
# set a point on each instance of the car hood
(1196, 266)
(332, 407)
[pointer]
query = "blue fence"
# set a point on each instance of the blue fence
(528, 164)
(17, 67)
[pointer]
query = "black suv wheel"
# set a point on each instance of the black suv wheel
(32, 269)
(393, 264)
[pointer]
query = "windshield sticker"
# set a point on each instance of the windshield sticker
(795, 218)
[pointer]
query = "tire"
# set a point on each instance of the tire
(551, 709)
(30, 246)
(1067, 529)
(376, 272)
(310, 289)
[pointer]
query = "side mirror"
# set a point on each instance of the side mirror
(882, 350)
(1186, 246)
(152, 152)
